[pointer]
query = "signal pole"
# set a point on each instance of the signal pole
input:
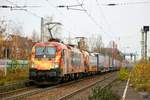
(146, 45)
(142, 45)
(146, 29)
(144, 42)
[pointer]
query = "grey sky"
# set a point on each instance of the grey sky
(121, 23)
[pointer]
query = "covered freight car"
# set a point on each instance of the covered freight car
(93, 67)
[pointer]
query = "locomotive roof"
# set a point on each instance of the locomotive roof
(55, 44)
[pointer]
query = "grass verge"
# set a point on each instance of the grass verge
(14, 74)
(99, 93)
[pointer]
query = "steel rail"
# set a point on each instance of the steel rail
(9, 93)
(66, 97)
(16, 85)
(41, 90)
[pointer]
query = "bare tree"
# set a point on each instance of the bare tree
(91, 42)
(35, 36)
(99, 43)
(95, 43)
(8, 27)
(3, 26)
(16, 28)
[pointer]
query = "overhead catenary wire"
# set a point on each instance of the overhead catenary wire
(94, 21)
(61, 13)
(82, 10)
(90, 16)
(51, 5)
(82, 1)
(126, 3)
(34, 14)
(23, 6)
(133, 3)
(103, 15)
(71, 7)
(10, 2)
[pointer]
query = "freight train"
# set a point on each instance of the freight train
(54, 61)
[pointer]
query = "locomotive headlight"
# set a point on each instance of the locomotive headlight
(33, 65)
(56, 65)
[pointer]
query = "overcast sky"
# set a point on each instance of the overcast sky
(121, 23)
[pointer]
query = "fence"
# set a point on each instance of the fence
(4, 64)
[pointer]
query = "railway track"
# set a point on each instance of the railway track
(76, 95)
(15, 86)
(53, 91)
(36, 90)
(13, 92)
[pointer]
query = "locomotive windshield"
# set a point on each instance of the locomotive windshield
(48, 51)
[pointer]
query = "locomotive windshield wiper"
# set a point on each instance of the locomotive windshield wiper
(44, 50)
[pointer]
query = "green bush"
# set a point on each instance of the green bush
(99, 93)
(123, 73)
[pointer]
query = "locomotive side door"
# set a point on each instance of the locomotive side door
(65, 59)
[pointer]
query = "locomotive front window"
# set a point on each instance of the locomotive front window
(47, 51)
(39, 51)
(50, 52)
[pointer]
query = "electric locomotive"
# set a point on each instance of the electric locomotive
(53, 62)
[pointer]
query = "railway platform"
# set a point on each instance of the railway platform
(131, 93)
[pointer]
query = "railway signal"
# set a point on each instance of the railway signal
(145, 29)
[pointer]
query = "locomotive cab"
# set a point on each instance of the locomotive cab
(46, 61)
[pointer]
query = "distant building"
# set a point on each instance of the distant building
(15, 47)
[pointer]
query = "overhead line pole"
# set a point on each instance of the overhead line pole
(42, 29)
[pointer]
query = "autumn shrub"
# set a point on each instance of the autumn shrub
(14, 67)
(140, 76)
(123, 73)
(14, 73)
(99, 93)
